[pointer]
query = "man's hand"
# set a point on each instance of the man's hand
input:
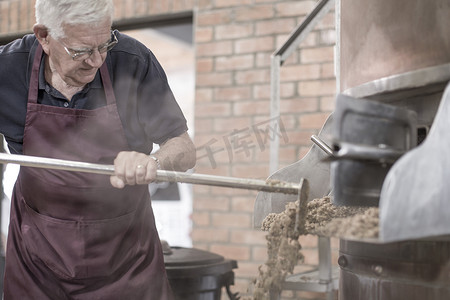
(133, 168)
(175, 154)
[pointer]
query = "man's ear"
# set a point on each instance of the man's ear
(41, 33)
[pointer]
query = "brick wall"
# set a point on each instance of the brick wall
(234, 40)
(17, 16)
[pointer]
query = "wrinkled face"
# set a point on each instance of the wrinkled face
(79, 38)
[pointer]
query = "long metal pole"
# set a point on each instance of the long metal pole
(273, 186)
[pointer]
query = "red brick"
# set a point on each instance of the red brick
(232, 156)
(213, 17)
(207, 168)
(299, 105)
(203, 95)
(206, 203)
(213, 109)
(204, 4)
(158, 7)
(263, 59)
(141, 8)
(327, 22)
(4, 14)
(215, 163)
(317, 88)
(308, 241)
(327, 37)
(311, 256)
(313, 120)
(229, 3)
(231, 220)
(247, 108)
(300, 72)
(259, 253)
(214, 79)
(327, 70)
(291, 60)
(118, 9)
(233, 31)
(233, 94)
(289, 122)
(129, 10)
(215, 48)
(244, 154)
(14, 16)
(288, 154)
(204, 34)
(235, 62)
(287, 89)
(261, 92)
(253, 45)
(253, 171)
(247, 269)
(24, 13)
(327, 103)
(232, 192)
(314, 55)
(231, 252)
(252, 76)
(242, 204)
(334, 257)
(275, 26)
(227, 125)
(201, 190)
(205, 65)
(295, 8)
(183, 5)
(334, 243)
(219, 160)
(301, 137)
(210, 235)
(203, 125)
(248, 237)
(254, 13)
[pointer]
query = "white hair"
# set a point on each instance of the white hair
(54, 14)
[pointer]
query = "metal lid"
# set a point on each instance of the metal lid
(190, 257)
(188, 262)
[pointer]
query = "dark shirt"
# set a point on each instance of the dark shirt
(146, 105)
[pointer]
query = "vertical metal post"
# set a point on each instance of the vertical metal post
(325, 269)
(337, 47)
(278, 58)
(275, 110)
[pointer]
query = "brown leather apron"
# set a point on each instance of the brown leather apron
(72, 235)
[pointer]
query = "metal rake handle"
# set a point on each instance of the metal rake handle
(273, 186)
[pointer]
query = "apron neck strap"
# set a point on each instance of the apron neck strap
(107, 85)
(34, 80)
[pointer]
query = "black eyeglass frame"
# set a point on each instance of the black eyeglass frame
(86, 53)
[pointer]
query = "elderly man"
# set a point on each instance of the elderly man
(78, 90)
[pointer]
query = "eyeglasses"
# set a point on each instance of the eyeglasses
(82, 54)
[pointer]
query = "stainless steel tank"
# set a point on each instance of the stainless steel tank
(396, 52)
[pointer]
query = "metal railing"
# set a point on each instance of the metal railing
(278, 58)
(323, 279)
